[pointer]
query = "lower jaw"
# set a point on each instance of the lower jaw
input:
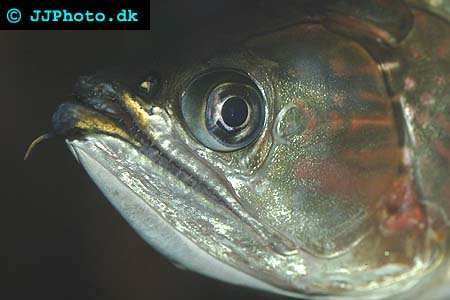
(157, 217)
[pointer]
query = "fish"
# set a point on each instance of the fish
(310, 158)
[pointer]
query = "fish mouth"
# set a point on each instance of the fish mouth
(105, 107)
(98, 107)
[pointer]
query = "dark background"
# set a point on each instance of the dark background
(60, 238)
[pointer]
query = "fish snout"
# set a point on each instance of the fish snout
(98, 105)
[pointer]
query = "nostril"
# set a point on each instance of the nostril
(98, 93)
(95, 85)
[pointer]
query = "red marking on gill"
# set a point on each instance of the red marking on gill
(371, 157)
(375, 122)
(374, 98)
(401, 210)
(340, 68)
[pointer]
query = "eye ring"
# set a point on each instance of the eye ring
(224, 109)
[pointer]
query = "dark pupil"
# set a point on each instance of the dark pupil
(234, 112)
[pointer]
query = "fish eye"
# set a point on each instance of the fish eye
(223, 109)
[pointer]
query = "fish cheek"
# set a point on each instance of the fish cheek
(335, 149)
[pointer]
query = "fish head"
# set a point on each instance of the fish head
(283, 162)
